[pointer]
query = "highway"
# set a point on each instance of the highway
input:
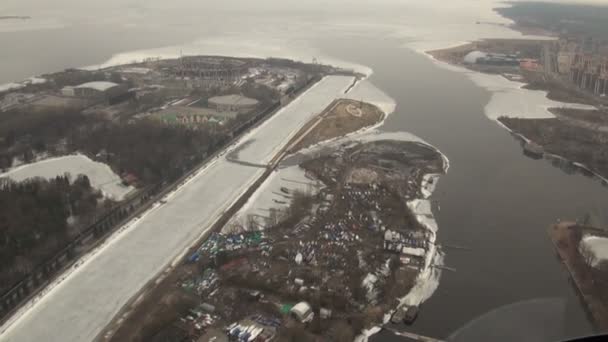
(80, 306)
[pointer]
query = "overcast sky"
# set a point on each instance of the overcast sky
(27, 5)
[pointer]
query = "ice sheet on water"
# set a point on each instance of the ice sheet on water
(426, 283)
(260, 46)
(287, 121)
(366, 91)
(510, 99)
(271, 196)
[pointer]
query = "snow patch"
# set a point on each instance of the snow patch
(366, 91)
(10, 86)
(100, 175)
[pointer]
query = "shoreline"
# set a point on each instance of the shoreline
(578, 165)
(428, 279)
(366, 134)
(522, 86)
(26, 308)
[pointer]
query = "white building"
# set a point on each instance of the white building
(232, 103)
(472, 57)
(302, 312)
(95, 90)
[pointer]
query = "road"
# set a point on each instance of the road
(78, 308)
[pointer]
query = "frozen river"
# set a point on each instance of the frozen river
(82, 304)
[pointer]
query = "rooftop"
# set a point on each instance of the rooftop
(99, 85)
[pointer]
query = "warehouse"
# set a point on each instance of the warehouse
(232, 103)
(99, 90)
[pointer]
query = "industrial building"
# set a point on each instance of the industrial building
(100, 90)
(487, 58)
(205, 72)
(232, 103)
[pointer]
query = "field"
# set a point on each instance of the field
(345, 116)
(100, 175)
(191, 115)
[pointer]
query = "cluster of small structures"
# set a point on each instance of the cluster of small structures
(192, 91)
(340, 259)
(177, 111)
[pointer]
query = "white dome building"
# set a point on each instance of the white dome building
(472, 57)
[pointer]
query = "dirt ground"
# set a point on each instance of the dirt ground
(58, 102)
(345, 116)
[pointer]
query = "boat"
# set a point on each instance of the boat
(411, 314)
(399, 315)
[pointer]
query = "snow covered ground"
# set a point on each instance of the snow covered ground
(23, 84)
(510, 99)
(100, 175)
(10, 86)
(284, 127)
(270, 196)
(78, 308)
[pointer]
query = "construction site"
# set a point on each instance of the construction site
(328, 265)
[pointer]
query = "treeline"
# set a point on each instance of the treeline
(577, 144)
(34, 220)
(24, 133)
(149, 150)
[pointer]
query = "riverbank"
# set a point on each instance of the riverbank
(332, 248)
(162, 244)
(323, 136)
(588, 281)
(572, 130)
(531, 76)
(583, 146)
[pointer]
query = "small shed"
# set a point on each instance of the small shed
(302, 312)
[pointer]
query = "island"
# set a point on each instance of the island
(104, 146)
(343, 233)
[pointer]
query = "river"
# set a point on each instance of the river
(494, 200)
